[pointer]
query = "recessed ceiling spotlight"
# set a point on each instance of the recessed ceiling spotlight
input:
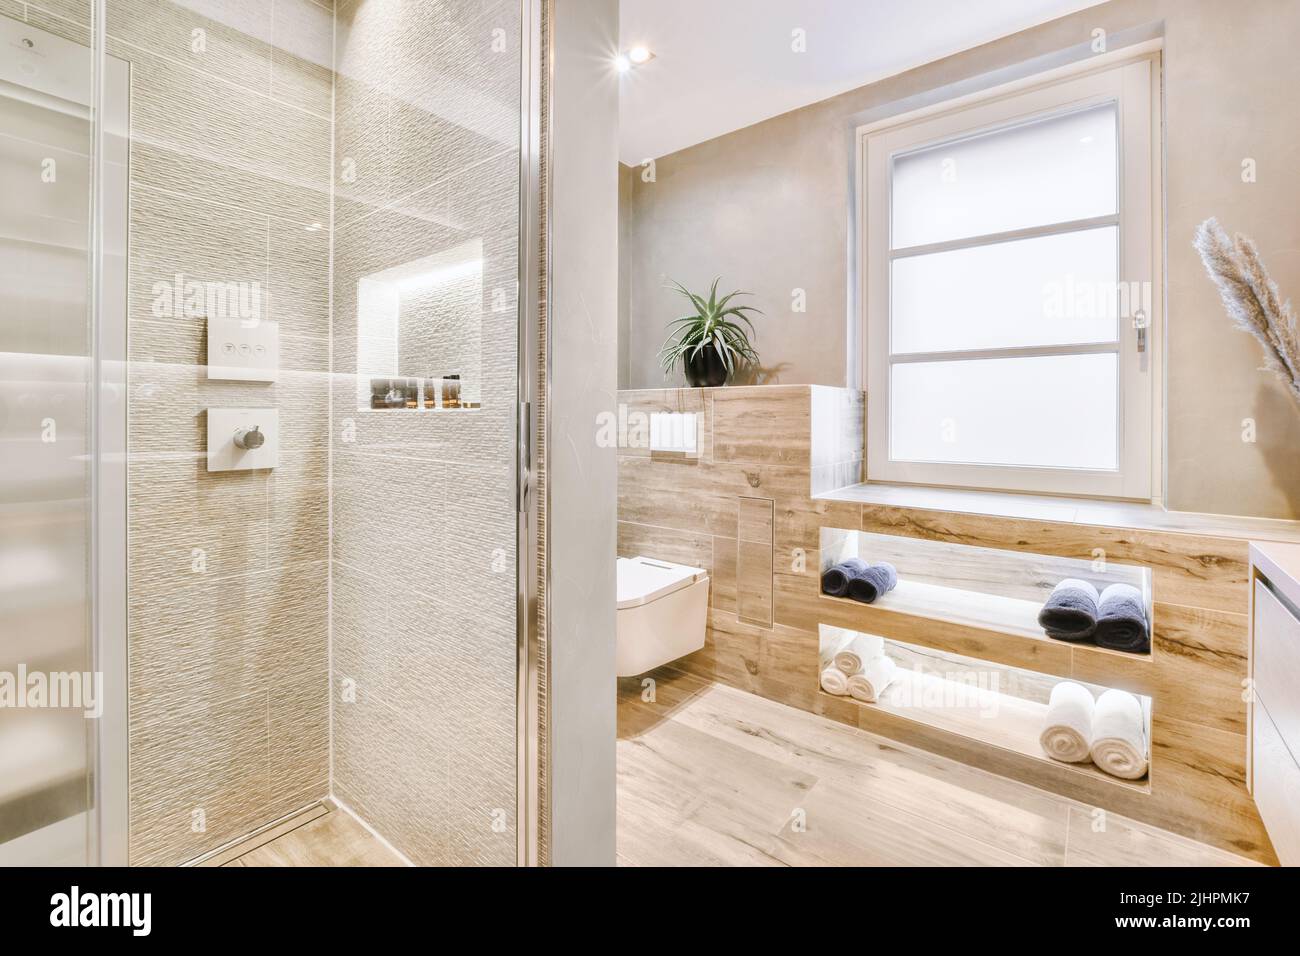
(636, 56)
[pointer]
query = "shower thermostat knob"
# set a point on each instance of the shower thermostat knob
(243, 439)
(250, 438)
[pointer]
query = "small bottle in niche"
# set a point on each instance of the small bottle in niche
(433, 393)
(451, 391)
(387, 393)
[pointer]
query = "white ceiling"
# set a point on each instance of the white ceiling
(722, 65)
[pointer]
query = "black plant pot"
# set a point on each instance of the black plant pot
(705, 370)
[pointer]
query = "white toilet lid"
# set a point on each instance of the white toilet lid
(642, 579)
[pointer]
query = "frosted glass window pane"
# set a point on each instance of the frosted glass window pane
(1050, 290)
(1052, 170)
(1054, 411)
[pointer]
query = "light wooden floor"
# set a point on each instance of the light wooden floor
(712, 776)
(318, 837)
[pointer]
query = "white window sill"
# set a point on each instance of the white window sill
(1086, 511)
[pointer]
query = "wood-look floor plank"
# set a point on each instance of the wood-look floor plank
(713, 776)
(1112, 840)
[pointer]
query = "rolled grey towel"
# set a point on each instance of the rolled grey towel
(1122, 620)
(835, 580)
(1070, 613)
(869, 584)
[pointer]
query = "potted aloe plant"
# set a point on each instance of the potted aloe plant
(710, 343)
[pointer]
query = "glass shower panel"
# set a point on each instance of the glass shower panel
(324, 251)
(47, 690)
(425, 329)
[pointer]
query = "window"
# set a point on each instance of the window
(1010, 252)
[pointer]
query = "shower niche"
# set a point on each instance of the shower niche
(419, 333)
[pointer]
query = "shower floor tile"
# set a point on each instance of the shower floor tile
(335, 838)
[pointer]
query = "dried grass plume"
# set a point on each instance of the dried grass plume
(1252, 299)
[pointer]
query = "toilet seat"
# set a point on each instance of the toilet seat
(663, 611)
(642, 580)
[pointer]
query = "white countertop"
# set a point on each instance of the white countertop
(1280, 563)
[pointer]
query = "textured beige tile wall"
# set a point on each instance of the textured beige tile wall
(423, 549)
(766, 208)
(229, 573)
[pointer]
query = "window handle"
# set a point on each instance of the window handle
(1140, 323)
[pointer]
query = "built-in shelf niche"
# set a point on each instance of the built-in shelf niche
(993, 704)
(997, 591)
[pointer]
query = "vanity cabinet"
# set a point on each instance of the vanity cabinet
(1274, 768)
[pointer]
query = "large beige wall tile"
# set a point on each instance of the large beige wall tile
(229, 610)
(423, 506)
(233, 44)
(302, 55)
(200, 776)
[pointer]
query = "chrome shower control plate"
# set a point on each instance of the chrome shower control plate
(243, 439)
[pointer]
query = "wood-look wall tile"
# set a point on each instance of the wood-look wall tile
(762, 425)
(1200, 774)
(678, 494)
(1188, 569)
(637, 405)
(722, 594)
(754, 521)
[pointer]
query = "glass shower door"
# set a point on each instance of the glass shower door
(47, 688)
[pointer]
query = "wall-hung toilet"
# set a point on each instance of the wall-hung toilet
(663, 611)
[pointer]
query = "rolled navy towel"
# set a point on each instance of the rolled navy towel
(869, 584)
(1122, 620)
(835, 580)
(1070, 613)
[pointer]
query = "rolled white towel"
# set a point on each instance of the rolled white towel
(871, 683)
(834, 681)
(1067, 727)
(832, 639)
(1119, 740)
(860, 649)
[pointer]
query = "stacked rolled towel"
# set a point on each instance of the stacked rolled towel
(855, 665)
(833, 680)
(868, 685)
(873, 582)
(1070, 613)
(1119, 744)
(835, 580)
(858, 580)
(854, 654)
(1122, 620)
(1067, 729)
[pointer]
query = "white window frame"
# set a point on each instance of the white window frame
(1132, 82)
